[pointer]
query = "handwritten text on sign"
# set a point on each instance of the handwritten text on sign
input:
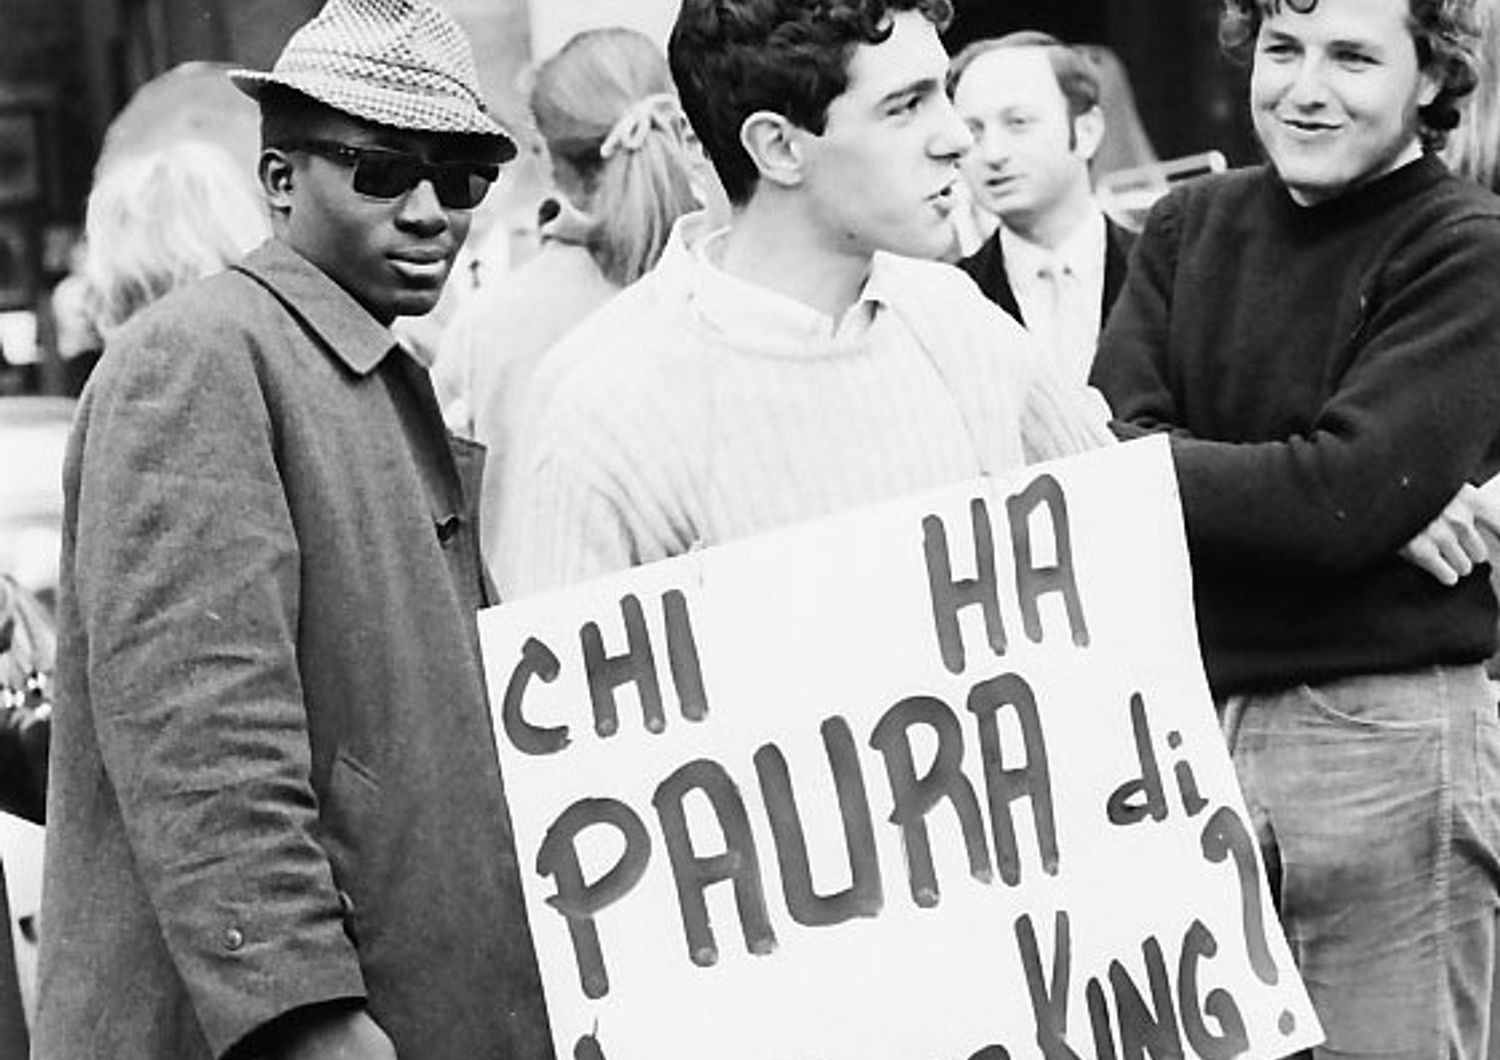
(935, 779)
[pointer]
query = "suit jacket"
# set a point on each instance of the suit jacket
(987, 266)
(274, 776)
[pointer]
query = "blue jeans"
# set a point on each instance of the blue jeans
(1376, 801)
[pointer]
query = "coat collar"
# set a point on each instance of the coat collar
(986, 266)
(348, 329)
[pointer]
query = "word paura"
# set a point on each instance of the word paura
(987, 823)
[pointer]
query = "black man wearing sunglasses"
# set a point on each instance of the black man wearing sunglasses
(277, 827)
(381, 210)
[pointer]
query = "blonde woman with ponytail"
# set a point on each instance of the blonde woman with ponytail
(624, 167)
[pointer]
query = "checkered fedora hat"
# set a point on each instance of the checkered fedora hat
(402, 63)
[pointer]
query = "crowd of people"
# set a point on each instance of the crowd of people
(276, 822)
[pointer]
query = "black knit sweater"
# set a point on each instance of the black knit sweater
(1331, 377)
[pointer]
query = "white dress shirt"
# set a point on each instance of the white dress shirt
(1061, 292)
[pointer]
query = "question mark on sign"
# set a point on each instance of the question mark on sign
(587, 1047)
(1225, 835)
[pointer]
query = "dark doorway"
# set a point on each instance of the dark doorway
(1189, 97)
(1083, 21)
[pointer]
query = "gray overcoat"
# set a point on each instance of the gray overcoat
(274, 780)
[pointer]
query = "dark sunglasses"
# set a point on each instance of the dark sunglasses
(382, 173)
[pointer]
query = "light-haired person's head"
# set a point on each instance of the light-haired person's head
(161, 219)
(1445, 33)
(1031, 103)
(1076, 79)
(621, 148)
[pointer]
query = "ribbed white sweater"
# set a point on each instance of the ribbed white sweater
(727, 410)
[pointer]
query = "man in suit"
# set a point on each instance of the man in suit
(1055, 263)
(276, 823)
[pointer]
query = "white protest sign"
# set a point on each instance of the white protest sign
(936, 779)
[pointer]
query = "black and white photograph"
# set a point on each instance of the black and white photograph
(769, 529)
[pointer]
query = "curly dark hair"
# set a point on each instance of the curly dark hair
(1447, 35)
(731, 58)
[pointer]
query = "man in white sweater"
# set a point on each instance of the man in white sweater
(800, 362)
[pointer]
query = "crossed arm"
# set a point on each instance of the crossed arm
(1460, 536)
(1411, 416)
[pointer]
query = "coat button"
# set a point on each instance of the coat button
(447, 529)
(234, 938)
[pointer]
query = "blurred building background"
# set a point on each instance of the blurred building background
(68, 68)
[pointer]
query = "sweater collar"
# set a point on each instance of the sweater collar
(774, 322)
(348, 329)
(1365, 199)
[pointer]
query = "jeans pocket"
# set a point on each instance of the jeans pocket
(1482, 804)
(1391, 702)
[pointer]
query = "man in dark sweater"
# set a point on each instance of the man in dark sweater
(1321, 336)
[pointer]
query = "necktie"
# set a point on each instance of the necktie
(1064, 332)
